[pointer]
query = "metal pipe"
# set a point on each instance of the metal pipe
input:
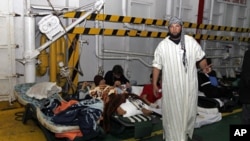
(60, 57)
(29, 43)
(121, 58)
(124, 13)
(169, 6)
(28, 7)
(200, 16)
(64, 50)
(200, 11)
(97, 53)
(52, 62)
(127, 52)
(43, 59)
(180, 8)
(97, 42)
(211, 12)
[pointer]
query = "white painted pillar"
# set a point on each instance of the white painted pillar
(169, 5)
(29, 43)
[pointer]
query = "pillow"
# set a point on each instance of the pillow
(43, 90)
(137, 90)
(130, 109)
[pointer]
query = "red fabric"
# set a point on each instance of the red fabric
(148, 90)
(70, 135)
(64, 105)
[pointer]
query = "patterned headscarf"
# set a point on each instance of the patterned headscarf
(175, 20)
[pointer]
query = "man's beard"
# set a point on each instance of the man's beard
(175, 36)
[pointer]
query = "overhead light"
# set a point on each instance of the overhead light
(50, 25)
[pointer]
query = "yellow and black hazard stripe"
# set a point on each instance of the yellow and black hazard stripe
(117, 18)
(215, 27)
(148, 21)
(212, 37)
(148, 34)
(73, 60)
(244, 39)
(117, 32)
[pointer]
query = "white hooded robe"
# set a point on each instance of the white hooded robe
(179, 88)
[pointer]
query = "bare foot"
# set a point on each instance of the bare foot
(120, 111)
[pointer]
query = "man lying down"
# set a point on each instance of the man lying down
(97, 109)
(125, 105)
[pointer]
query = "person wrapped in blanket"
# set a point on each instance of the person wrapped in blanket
(211, 86)
(125, 105)
(101, 88)
(85, 113)
(88, 91)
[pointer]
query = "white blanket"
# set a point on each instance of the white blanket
(205, 116)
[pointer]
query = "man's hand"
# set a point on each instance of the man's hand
(117, 83)
(156, 90)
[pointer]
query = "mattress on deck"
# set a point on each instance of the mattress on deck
(20, 93)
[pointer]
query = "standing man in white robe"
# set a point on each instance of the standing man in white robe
(177, 56)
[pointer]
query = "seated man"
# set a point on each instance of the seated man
(116, 77)
(209, 84)
(148, 96)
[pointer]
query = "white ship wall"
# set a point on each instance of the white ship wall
(99, 53)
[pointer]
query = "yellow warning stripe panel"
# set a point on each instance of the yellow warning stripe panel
(121, 32)
(234, 29)
(209, 27)
(148, 21)
(148, 34)
(187, 25)
(216, 27)
(211, 37)
(117, 18)
(201, 26)
(126, 19)
(133, 33)
(204, 37)
(117, 32)
(73, 59)
(197, 36)
(246, 30)
(228, 28)
(138, 20)
(244, 39)
(222, 28)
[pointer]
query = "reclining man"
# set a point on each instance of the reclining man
(210, 86)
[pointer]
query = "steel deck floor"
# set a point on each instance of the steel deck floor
(12, 128)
